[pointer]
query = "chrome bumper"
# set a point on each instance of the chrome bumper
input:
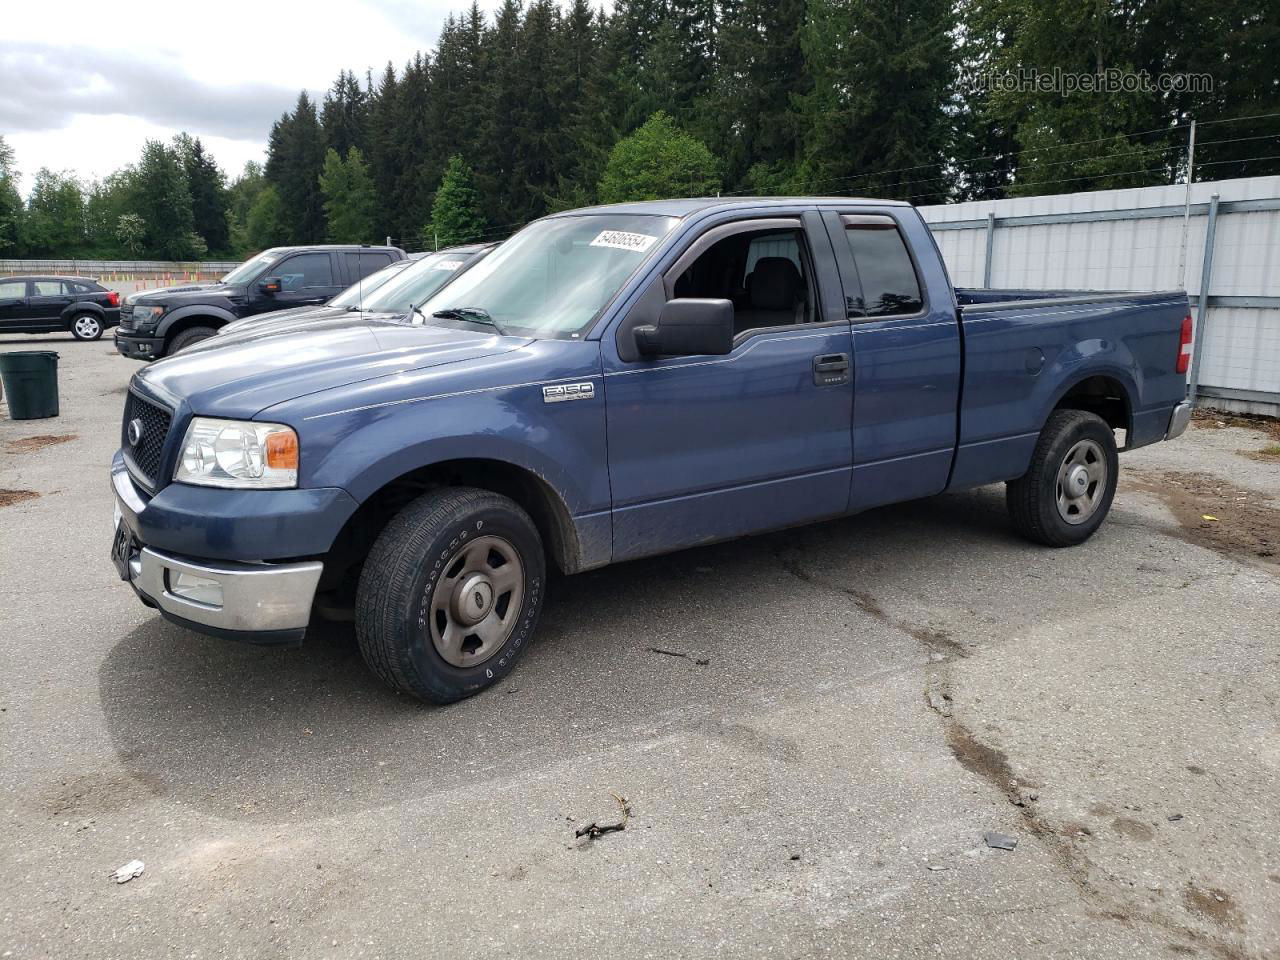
(1178, 420)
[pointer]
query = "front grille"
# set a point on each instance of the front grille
(126, 316)
(154, 420)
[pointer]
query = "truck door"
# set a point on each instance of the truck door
(305, 279)
(706, 448)
(906, 354)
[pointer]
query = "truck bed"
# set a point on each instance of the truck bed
(1025, 349)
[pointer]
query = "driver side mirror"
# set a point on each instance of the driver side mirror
(271, 285)
(689, 327)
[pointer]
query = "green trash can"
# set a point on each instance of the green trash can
(30, 383)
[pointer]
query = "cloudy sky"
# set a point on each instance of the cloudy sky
(120, 73)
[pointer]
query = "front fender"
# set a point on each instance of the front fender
(363, 436)
(193, 310)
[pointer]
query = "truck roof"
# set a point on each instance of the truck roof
(689, 205)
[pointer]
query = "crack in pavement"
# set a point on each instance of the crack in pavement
(994, 766)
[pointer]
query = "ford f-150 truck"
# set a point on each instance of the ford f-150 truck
(613, 383)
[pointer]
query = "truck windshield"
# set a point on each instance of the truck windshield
(354, 294)
(553, 277)
(415, 283)
(248, 270)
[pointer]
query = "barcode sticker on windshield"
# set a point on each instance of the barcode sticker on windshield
(621, 240)
(447, 265)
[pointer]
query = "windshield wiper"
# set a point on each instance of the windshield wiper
(470, 313)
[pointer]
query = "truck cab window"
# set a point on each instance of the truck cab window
(764, 273)
(305, 270)
(890, 287)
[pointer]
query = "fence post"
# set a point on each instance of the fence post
(991, 237)
(1202, 307)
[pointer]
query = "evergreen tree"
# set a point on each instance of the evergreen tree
(11, 210)
(1070, 141)
(343, 114)
(295, 156)
(455, 214)
(656, 162)
(209, 203)
(384, 146)
(877, 120)
(164, 202)
(55, 219)
(267, 224)
(350, 205)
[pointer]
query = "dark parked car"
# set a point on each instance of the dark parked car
(80, 305)
(392, 290)
(155, 323)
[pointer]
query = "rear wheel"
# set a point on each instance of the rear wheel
(86, 326)
(189, 336)
(450, 594)
(1067, 492)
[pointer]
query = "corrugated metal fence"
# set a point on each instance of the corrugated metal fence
(1134, 240)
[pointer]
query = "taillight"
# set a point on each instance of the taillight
(1184, 346)
(113, 298)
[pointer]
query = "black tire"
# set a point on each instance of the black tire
(1033, 499)
(423, 546)
(189, 336)
(86, 326)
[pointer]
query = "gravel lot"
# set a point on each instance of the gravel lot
(878, 693)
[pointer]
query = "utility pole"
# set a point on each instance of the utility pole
(1186, 208)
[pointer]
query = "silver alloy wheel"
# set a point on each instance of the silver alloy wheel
(476, 603)
(1082, 481)
(87, 327)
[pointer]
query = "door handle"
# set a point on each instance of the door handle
(830, 369)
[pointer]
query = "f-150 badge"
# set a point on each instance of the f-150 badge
(561, 392)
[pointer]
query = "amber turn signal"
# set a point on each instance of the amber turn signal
(282, 451)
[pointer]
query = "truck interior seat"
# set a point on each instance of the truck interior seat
(775, 296)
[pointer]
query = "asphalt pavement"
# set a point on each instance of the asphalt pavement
(807, 736)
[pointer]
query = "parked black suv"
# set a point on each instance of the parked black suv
(156, 323)
(80, 305)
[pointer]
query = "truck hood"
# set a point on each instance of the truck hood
(166, 294)
(277, 317)
(240, 374)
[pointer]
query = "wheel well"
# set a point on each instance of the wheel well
(186, 323)
(526, 488)
(1104, 396)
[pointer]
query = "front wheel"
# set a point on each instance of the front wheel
(86, 326)
(1066, 494)
(450, 594)
(187, 337)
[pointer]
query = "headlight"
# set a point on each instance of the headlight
(238, 453)
(146, 314)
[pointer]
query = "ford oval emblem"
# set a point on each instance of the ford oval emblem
(135, 432)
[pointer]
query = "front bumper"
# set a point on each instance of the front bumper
(256, 602)
(261, 602)
(1178, 420)
(138, 348)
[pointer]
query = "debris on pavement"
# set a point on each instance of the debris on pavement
(1210, 518)
(595, 829)
(999, 841)
(668, 653)
(935, 867)
(130, 870)
(1174, 817)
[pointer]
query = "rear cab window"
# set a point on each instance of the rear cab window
(361, 265)
(887, 284)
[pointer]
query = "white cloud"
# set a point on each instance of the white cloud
(85, 97)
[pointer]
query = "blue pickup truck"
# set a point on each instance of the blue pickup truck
(613, 383)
